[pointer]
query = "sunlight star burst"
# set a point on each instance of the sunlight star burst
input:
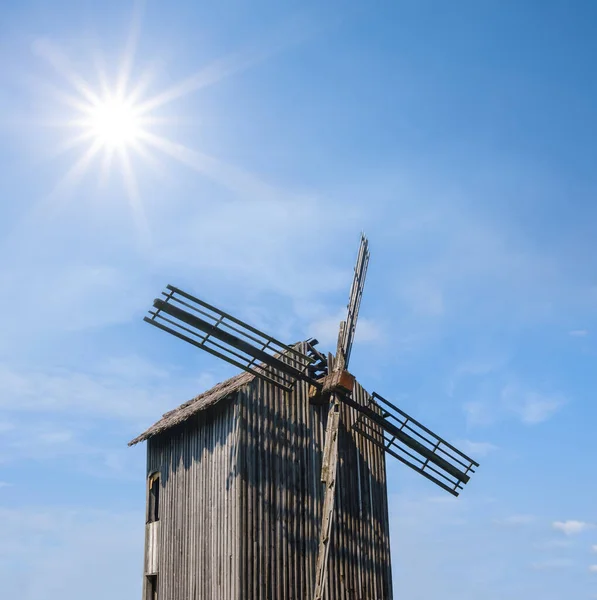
(115, 123)
(110, 120)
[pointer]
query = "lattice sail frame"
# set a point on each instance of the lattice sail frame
(413, 444)
(354, 299)
(211, 329)
(282, 365)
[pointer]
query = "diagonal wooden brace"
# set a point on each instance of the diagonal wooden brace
(328, 477)
(329, 469)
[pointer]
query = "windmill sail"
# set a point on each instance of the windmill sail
(413, 444)
(354, 300)
(229, 338)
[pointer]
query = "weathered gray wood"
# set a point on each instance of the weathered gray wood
(331, 440)
(241, 503)
(152, 548)
(328, 474)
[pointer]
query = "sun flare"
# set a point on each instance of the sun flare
(118, 124)
(114, 123)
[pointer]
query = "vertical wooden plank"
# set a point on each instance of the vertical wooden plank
(262, 476)
(268, 549)
(284, 496)
(243, 541)
(278, 500)
(347, 534)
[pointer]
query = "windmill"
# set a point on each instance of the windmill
(330, 387)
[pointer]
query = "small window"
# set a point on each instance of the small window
(151, 587)
(153, 501)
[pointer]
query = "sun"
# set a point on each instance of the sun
(114, 123)
(114, 117)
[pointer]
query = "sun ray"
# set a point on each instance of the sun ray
(100, 68)
(76, 172)
(226, 175)
(198, 161)
(61, 192)
(71, 143)
(61, 65)
(43, 89)
(207, 76)
(137, 208)
(149, 157)
(227, 66)
(106, 163)
(142, 85)
(130, 50)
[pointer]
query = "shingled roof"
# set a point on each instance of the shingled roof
(196, 405)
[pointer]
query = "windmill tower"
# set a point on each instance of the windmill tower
(272, 485)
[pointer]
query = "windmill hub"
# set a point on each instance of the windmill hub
(338, 381)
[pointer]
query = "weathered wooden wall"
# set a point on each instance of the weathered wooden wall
(198, 513)
(241, 502)
(282, 496)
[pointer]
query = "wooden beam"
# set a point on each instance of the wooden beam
(328, 473)
(329, 470)
(331, 434)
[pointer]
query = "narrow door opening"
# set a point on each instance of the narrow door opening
(151, 587)
(153, 501)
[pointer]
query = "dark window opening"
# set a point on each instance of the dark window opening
(153, 504)
(151, 587)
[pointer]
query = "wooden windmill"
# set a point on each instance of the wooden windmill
(261, 520)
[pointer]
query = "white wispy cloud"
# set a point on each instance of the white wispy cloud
(514, 400)
(122, 393)
(6, 426)
(530, 406)
(455, 538)
(555, 543)
(517, 520)
(476, 369)
(45, 440)
(475, 449)
(326, 329)
(82, 419)
(66, 298)
(462, 257)
(268, 245)
(480, 413)
(29, 570)
(578, 332)
(553, 563)
(423, 513)
(593, 568)
(425, 297)
(572, 527)
(264, 247)
(594, 547)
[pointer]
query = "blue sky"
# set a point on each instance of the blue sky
(461, 138)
